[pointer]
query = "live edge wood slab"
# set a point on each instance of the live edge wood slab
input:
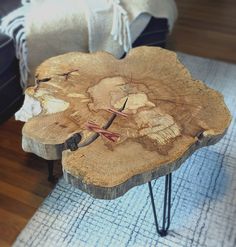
(133, 119)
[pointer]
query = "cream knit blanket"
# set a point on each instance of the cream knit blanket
(54, 27)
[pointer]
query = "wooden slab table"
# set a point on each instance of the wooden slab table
(116, 123)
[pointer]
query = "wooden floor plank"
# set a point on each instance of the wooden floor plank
(206, 28)
(10, 226)
(16, 207)
(4, 243)
(196, 44)
(20, 195)
(26, 183)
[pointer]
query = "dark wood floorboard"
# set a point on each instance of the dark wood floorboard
(23, 182)
(205, 28)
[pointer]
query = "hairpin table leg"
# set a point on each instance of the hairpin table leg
(51, 178)
(166, 208)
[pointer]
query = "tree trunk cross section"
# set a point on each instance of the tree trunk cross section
(119, 123)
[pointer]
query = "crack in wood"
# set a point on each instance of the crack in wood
(37, 81)
(67, 74)
(73, 144)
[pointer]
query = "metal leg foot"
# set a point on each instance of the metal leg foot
(51, 177)
(166, 208)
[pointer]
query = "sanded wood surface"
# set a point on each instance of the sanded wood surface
(167, 115)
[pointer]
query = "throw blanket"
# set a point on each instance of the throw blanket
(53, 27)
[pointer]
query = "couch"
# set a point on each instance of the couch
(11, 94)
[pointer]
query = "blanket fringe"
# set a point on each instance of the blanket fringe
(121, 26)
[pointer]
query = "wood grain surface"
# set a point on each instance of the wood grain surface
(11, 148)
(167, 115)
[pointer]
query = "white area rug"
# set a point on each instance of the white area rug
(203, 196)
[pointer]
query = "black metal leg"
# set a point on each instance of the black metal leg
(166, 208)
(51, 178)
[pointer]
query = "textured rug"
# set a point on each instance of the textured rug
(203, 196)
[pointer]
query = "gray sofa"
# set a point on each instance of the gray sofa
(11, 95)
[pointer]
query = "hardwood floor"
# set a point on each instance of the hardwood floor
(205, 28)
(23, 183)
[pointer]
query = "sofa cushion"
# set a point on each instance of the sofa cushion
(6, 6)
(7, 52)
(155, 34)
(11, 94)
(10, 89)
